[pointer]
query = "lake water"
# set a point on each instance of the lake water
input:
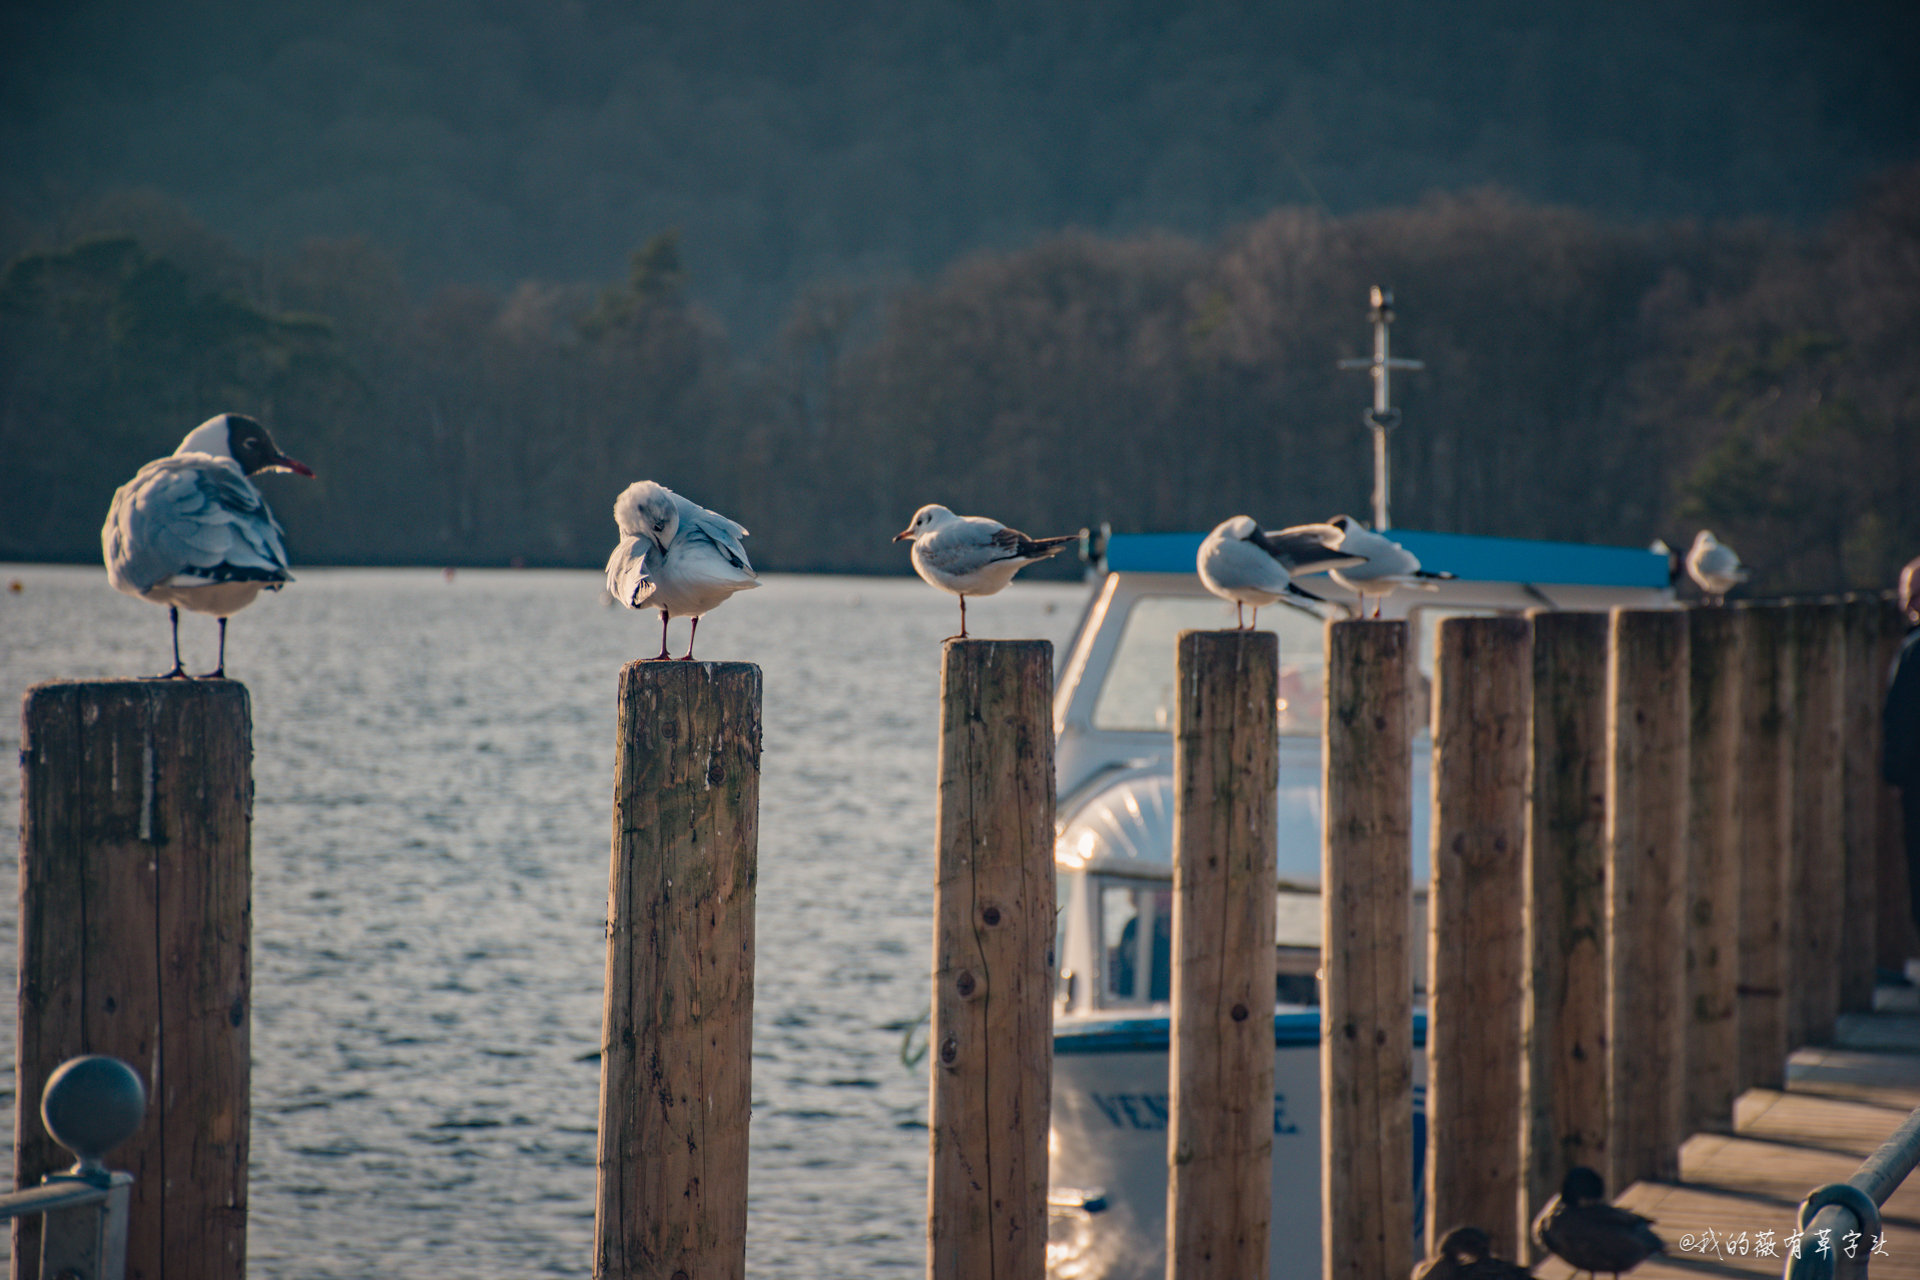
(433, 764)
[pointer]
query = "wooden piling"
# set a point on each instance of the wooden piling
(1860, 800)
(1716, 655)
(1226, 765)
(135, 929)
(677, 1042)
(1647, 724)
(1482, 745)
(1764, 787)
(1565, 1017)
(1366, 1016)
(1815, 888)
(992, 1075)
(1896, 939)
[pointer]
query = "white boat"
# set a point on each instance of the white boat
(1113, 709)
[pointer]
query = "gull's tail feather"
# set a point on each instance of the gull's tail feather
(1025, 548)
(1440, 574)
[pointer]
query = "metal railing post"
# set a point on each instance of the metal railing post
(1841, 1208)
(90, 1106)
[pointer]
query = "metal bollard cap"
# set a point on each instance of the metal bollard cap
(92, 1105)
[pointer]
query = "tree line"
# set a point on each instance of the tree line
(1586, 380)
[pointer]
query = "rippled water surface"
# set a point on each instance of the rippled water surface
(434, 768)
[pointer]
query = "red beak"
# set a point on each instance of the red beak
(294, 465)
(905, 535)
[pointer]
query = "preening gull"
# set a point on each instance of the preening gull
(971, 555)
(191, 532)
(1241, 563)
(1714, 566)
(1384, 563)
(675, 556)
(1465, 1253)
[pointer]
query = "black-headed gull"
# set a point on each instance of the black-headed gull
(191, 532)
(1384, 563)
(1714, 566)
(971, 555)
(1240, 562)
(1581, 1228)
(675, 556)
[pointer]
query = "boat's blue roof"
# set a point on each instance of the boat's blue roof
(1463, 555)
(1148, 1033)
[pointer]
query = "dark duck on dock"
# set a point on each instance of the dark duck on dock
(1465, 1253)
(1582, 1229)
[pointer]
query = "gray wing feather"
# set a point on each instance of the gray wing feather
(627, 579)
(191, 517)
(698, 522)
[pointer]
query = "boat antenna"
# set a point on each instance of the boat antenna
(1383, 417)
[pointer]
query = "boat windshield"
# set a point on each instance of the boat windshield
(1138, 693)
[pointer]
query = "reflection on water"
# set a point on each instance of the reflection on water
(433, 767)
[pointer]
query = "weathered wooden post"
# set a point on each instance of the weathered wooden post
(1647, 685)
(1482, 745)
(677, 1038)
(1226, 766)
(1717, 657)
(1896, 938)
(1816, 868)
(135, 936)
(1860, 803)
(1764, 790)
(993, 910)
(1566, 991)
(1366, 1016)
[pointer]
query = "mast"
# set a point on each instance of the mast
(1382, 417)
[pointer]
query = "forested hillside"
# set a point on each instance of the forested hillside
(1586, 380)
(485, 262)
(491, 141)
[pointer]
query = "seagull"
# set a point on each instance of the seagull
(1240, 563)
(1466, 1254)
(1714, 566)
(191, 532)
(1385, 563)
(971, 555)
(675, 556)
(1579, 1227)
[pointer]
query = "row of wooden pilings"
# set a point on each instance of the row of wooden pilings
(1660, 853)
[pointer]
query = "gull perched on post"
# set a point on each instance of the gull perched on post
(1714, 566)
(191, 532)
(971, 555)
(675, 556)
(1241, 563)
(1383, 563)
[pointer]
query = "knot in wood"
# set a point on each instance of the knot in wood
(990, 916)
(716, 771)
(964, 983)
(1239, 1013)
(949, 1050)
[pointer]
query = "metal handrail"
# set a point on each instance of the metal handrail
(90, 1106)
(1852, 1208)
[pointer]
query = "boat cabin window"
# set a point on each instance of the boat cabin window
(1138, 693)
(1136, 941)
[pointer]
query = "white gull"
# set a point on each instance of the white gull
(1241, 563)
(675, 556)
(1714, 566)
(971, 555)
(191, 532)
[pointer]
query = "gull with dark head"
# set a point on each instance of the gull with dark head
(191, 532)
(971, 555)
(1714, 566)
(1383, 563)
(1581, 1228)
(675, 556)
(1242, 563)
